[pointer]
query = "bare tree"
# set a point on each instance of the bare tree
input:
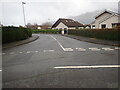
(46, 25)
(32, 26)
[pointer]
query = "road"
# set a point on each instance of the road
(55, 61)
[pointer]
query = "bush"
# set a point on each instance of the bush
(108, 34)
(10, 34)
(49, 31)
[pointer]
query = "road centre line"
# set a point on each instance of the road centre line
(88, 67)
(64, 49)
(58, 42)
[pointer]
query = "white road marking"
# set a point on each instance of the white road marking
(90, 66)
(118, 48)
(48, 50)
(12, 52)
(28, 51)
(36, 51)
(44, 50)
(53, 37)
(81, 49)
(51, 50)
(3, 53)
(20, 52)
(64, 49)
(107, 49)
(94, 49)
(68, 49)
(0, 70)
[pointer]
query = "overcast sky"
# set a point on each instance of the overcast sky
(40, 11)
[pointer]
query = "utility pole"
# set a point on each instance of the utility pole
(24, 12)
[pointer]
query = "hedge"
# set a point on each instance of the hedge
(108, 34)
(11, 34)
(47, 31)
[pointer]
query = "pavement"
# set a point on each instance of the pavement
(94, 40)
(55, 61)
(17, 43)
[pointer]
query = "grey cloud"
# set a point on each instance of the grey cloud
(38, 11)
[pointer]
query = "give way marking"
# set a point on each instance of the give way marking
(88, 67)
(64, 49)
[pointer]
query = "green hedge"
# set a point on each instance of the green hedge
(108, 34)
(49, 31)
(10, 34)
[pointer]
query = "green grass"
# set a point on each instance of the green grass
(108, 34)
(11, 34)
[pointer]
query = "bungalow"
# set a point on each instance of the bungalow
(107, 19)
(93, 25)
(87, 26)
(65, 24)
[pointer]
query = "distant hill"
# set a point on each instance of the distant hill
(89, 17)
(86, 18)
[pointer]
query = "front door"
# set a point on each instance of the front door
(65, 31)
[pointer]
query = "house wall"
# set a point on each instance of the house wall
(118, 19)
(75, 27)
(108, 22)
(72, 28)
(92, 26)
(87, 27)
(38, 27)
(61, 26)
(97, 21)
(100, 20)
(81, 27)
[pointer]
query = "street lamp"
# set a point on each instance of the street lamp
(24, 12)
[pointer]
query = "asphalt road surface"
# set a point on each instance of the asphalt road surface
(55, 61)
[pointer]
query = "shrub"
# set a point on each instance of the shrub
(10, 34)
(109, 34)
(48, 31)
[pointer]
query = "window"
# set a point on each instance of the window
(114, 25)
(66, 21)
(103, 26)
(93, 26)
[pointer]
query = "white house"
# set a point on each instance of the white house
(38, 27)
(93, 25)
(87, 26)
(107, 19)
(66, 24)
